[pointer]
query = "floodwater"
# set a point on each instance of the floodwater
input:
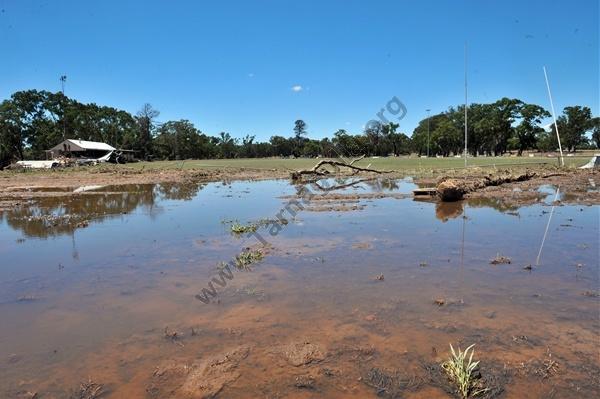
(102, 287)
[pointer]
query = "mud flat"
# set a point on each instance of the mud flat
(99, 289)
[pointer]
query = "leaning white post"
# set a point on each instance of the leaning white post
(562, 160)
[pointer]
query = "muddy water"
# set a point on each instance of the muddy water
(102, 286)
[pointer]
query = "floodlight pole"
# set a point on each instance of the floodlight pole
(466, 105)
(562, 160)
(63, 79)
(428, 120)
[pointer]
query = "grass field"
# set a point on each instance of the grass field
(387, 163)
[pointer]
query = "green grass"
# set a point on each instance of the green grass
(385, 163)
(413, 164)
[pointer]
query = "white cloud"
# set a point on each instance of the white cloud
(296, 88)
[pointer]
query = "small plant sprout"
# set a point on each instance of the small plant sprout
(461, 370)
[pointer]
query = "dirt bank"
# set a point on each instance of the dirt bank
(16, 187)
(576, 186)
(454, 189)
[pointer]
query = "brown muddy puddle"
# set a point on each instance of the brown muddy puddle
(358, 303)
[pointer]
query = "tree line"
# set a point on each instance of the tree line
(33, 121)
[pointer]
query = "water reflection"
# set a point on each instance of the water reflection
(178, 191)
(63, 215)
(445, 211)
(53, 216)
(448, 210)
(370, 185)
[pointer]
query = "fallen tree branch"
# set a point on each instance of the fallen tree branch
(315, 169)
(356, 160)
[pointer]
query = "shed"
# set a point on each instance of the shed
(80, 149)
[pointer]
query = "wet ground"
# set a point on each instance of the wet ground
(109, 293)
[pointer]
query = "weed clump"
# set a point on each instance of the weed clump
(463, 372)
(238, 228)
(247, 258)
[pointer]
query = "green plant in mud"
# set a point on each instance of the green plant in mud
(247, 258)
(238, 228)
(461, 370)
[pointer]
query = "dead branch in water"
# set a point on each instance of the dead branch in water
(315, 170)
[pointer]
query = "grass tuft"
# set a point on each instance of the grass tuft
(461, 370)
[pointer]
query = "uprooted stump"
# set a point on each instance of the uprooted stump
(453, 189)
(319, 170)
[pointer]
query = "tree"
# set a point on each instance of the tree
(492, 125)
(247, 149)
(374, 134)
(445, 136)
(146, 121)
(396, 143)
(445, 133)
(282, 146)
(527, 132)
(419, 138)
(299, 133)
(32, 121)
(311, 149)
(546, 141)
(181, 140)
(573, 124)
(327, 148)
(345, 144)
(596, 132)
(226, 145)
(11, 144)
(299, 129)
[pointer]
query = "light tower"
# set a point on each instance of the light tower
(428, 120)
(63, 79)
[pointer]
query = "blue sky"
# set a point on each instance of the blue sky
(233, 65)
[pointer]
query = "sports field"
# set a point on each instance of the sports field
(382, 163)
